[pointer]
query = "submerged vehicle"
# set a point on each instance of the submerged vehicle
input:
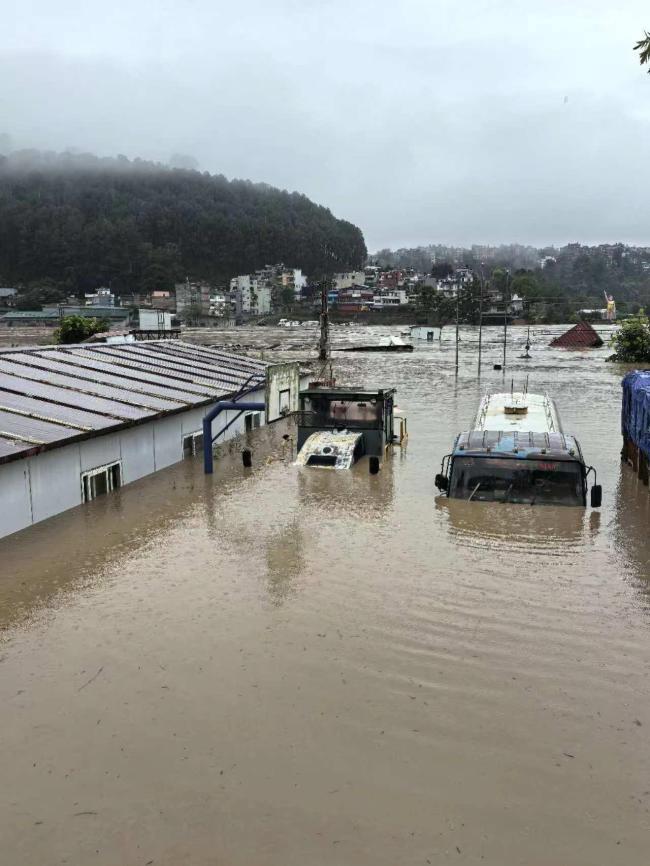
(516, 452)
(339, 426)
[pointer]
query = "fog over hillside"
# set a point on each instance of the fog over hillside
(425, 119)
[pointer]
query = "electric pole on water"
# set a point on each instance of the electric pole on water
(505, 317)
(480, 322)
(457, 335)
(324, 342)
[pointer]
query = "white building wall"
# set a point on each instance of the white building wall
(168, 441)
(137, 452)
(15, 504)
(54, 479)
(263, 303)
(348, 280)
(154, 320)
(35, 488)
(299, 282)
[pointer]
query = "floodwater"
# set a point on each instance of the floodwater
(285, 667)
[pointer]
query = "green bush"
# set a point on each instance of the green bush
(632, 341)
(76, 329)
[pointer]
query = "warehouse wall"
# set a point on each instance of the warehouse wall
(35, 488)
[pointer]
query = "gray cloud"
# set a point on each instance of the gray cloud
(423, 120)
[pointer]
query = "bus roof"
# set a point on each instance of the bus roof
(518, 411)
(518, 444)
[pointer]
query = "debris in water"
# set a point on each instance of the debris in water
(92, 679)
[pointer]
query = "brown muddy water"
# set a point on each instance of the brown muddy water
(303, 668)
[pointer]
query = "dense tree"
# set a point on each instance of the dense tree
(643, 47)
(76, 329)
(632, 341)
(82, 222)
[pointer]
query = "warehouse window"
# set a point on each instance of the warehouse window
(284, 402)
(252, 421)
(192, 444)
(101, 480)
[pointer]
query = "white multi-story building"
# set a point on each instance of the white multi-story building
(371, 275)
(299, 283)
(102, 297)
(348, 279)
(390, 299)
(251, 295)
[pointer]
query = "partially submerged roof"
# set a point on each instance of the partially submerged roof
(580, 336)
(53, 395)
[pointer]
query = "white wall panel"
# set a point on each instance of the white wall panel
(136, 448)
(168, 441)
(15, 507)
(55, 478)
(99, 450)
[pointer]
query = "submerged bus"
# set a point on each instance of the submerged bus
(516, 452)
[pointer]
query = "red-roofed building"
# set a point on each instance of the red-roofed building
(580, 336)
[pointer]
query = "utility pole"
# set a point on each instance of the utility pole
(480, 322)
(324, 342)
(505, 317)
(457, 335)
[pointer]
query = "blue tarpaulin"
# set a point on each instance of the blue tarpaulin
(635, 419)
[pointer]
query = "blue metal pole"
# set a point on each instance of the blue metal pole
(221, 406)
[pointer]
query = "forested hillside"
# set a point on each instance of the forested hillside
(76, 222)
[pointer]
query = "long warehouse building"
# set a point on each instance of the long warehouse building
(78, 421)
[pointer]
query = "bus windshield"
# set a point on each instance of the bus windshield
(493, 479)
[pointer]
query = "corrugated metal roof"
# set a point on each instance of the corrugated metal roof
(51, 395)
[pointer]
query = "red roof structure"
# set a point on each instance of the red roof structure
(580, 336)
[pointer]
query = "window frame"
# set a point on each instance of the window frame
(113, 473)
(194, 437)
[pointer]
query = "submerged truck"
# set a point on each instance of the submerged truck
(339, 426)
(517, 452)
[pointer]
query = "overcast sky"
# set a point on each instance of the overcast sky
(445, 121)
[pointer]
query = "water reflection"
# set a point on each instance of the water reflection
(285, 561)
(631, 528)
(550, 529)
(75, 549)
(354, 493)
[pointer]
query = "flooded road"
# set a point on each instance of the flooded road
(296, 668)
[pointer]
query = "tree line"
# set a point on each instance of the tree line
(72, 222)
